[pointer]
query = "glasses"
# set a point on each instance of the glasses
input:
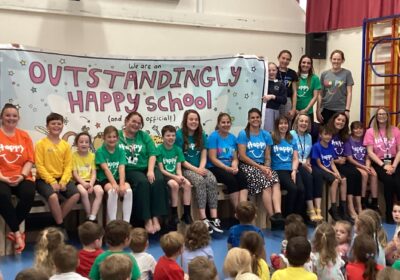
(382, 114)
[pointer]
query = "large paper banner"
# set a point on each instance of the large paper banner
(94, 92)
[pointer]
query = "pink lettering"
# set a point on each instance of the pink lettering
(37, 79)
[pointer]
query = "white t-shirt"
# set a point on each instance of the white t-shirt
(146, 263)
(68, 276)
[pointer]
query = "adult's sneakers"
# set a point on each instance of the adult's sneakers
(216, 225)
(208, 224)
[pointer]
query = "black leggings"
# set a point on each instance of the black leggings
(294, 200)
(353, 178)
(313, 182)
(391, 184)
(25, 192)
(327, 114)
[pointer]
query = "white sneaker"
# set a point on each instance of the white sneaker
(208, 224)
(216, 225)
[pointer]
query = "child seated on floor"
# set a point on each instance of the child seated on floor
(65, 259)
(298, 253)
(245, 213)
(167, 267)
(201, 268)
(91, 237)
(392, 249)
(343, 230)
(116, 267)
(139, 244)
(117, 237)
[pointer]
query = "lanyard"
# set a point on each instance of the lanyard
(303, 148)
(385, 143)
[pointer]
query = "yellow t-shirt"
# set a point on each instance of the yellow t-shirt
(84, 165)
(289, 273)
(263, 270)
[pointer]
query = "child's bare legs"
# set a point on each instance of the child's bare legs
(350, 201)
(98, 198)
(67, 206)
(243, 194)
(317, 202)
(55, 208)
(174, 187)
(364, 183)
(187, 192)
(234, 198)
(84, 198)
(333, 191)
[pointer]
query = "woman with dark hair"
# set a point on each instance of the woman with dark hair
(193, 141)
(383, 147)
(150, 193)
(308, 87)
(339, 125)
(223, 160)
(337, 85)
(285, 162)
(16, 160)
(254, 145)
(289, 78)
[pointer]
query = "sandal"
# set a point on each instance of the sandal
(319, 215)
(312, 215)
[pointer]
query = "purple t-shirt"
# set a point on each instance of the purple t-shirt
(356, 149)
(325, 155)
(338, 146)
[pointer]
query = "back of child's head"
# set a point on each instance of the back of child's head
(116, 267)
(295, 228)
(247, 276)
(201, 268)
(364, 251)
(117, 232)
(254, 243)
(197, 236)
(65, 259)
(380, 231)
(291, 218)
(388, 273)
(172, 243)
(139, 240)
(298, 251)
(324, 243)
(237, 261)
(31, 274)
(54, 117)
(167, 128)
(346, 225)
(89, 232)
(365, 224)
(246, 212)
(48, 241)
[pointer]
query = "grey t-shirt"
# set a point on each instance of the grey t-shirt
(334, 89)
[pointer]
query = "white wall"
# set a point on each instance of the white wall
(350, 42)
(155, 27)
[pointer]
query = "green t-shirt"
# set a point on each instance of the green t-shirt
(169, 158)
(113, 160)
(396, 265)
(305, 92)
(137, 150)
(192, 153)
(94, 273)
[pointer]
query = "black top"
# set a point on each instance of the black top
(278, 89)
(287, 78)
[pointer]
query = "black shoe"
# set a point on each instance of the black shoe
(343, 213)
(174, 220)
(333, 211)
(187, 219)
(208, 224)
(216, 225)
(277, 221)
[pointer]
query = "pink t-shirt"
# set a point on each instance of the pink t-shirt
(381, 145)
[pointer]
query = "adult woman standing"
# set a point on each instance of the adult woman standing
(254, 145)
(383, 147)
(223, 160)
(289, 78)
(16, 160)
(308, 87)
(150, 199)
(337, 84)
(339, 125)
(311, 177)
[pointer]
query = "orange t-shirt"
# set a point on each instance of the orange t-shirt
(15, 151)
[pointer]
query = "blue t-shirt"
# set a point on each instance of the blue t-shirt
(304, 145)
(326, 155)
(282, 155)
(226, 147)
(338, 146)
(356, 149)
(236, 231)
(256, 145)
(192, 153)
